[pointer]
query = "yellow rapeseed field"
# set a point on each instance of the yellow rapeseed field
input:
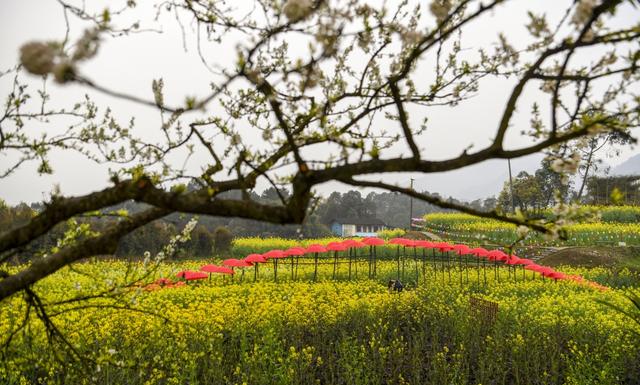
(329, 332)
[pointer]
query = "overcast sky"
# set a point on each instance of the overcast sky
(130, 64)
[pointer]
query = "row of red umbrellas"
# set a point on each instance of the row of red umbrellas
(254, 259)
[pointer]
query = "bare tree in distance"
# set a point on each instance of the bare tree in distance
(328, 112)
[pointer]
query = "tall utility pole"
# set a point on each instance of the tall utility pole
(411, 207)
(513, 200)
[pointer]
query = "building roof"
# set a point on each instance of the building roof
(359, 221)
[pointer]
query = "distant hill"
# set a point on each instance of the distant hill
(629, 167)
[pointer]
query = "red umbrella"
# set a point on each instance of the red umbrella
(216, 269)
(274, 254)
(425, 244)
(534, 267)
(193, 275)
(189, 275)
(461, 249)
(545, 270)
(411, 243)
(335, 247)
(398, 241)
(513, 260)
(554, 274)
(255, 258)
(373, 241)
(443, 246)
(315, 249)
(350, 242)
(297, 252)
(232, 262)
(497, 255)
(353, 244)
(479, 252)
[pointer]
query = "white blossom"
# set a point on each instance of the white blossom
(296, 10)
(440, 9)
(566, 165)
(412, 37)
(37, 58)
(583, 12)
(522, 231)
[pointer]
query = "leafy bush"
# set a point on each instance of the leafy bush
(391, 233)
(223, 240)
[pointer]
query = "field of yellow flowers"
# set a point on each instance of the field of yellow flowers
(329, 332)
(474, 230)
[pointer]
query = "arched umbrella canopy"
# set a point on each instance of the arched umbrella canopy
(189, 275)
(497, 255)
(443, 246)
(216, 269)
(255, 258)
(350, 243)
(373, 241)
(525, 261)
(295, 251)
(410, 243)
(181, 274)
(479, 252)
(316, 249)
(274, 254)
(398, 241)
(462, 249)
(554, 275)
(336, 246)
(425, 244)
(533, 267)
(358, 244)
(193, 275)
(232, 262)
(513, 260)
(539, 269)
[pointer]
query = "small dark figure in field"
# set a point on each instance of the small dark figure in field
(395, 285)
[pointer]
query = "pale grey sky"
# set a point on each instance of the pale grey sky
(129, 64)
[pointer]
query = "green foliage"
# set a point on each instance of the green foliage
(391, 233)
(200, 243)
(223, 240)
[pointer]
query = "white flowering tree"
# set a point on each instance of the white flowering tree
(335, 108)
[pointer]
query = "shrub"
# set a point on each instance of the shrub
(223, 239)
